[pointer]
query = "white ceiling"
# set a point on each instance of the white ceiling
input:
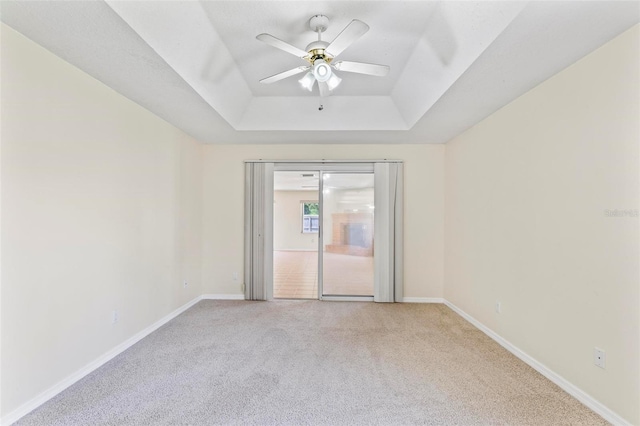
(296, 181)
(310, 181)
(197, 63)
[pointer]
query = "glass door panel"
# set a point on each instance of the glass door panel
(347, 234)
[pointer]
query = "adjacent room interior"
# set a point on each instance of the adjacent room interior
(126, 128)
(296, 223)
(347, 241)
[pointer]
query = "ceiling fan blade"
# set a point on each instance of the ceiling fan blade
(282, 45)
(351, 33)
(362, 68)
(324, 89)
(283, 75)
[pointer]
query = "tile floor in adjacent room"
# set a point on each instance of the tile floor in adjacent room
(295, 274)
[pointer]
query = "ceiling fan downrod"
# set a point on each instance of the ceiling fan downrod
(316, 49)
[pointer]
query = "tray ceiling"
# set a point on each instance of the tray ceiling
(197, 64)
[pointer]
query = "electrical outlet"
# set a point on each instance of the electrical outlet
(599, 357)
(498, 307)
(235, 276)
(185, 284)
(114, 316)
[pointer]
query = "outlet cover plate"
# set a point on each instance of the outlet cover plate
(599, 357)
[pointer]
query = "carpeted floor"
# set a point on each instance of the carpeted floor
(312, 362)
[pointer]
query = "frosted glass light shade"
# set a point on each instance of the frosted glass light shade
(307, 81)
(321, 70)
(333, 81)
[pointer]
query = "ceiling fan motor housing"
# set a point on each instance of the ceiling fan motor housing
(316, 51)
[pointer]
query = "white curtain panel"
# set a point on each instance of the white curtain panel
(258, 231)
(388, 276)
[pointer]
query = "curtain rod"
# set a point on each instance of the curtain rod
(323, 161)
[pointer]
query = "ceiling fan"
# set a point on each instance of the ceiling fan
(321, 57)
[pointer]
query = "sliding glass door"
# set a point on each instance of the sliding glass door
(323, 230)
(347, 234)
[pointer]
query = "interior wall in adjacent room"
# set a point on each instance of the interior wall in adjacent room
(101, 211)
(287, 221)
(541, 213)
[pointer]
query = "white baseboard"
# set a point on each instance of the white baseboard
(222, 297)
(422, 300)
(34, 403)
(563, 383)
(567, 386)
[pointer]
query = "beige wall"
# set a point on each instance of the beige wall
(223, 203)
(101, 210)
(287, 221)
(526, 194)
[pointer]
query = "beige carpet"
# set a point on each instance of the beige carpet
(314, 363)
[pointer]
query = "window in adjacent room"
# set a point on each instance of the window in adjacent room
(310, 222)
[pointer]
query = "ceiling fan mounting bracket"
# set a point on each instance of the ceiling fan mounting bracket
(318, 23)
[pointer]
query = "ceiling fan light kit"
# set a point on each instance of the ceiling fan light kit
(319, 54)
(321, 70)
(307, 81)
(333, 81)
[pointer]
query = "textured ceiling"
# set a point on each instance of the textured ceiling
(197, 64)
